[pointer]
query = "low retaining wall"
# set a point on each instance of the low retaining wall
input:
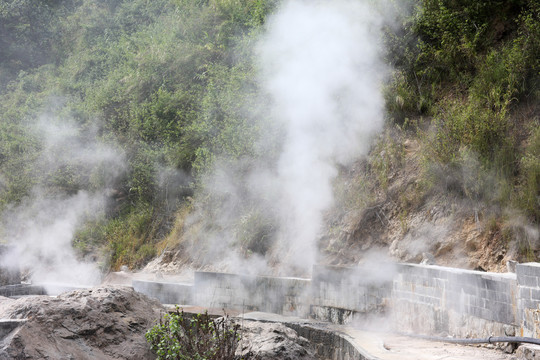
(286, 296)
(528, 280)
(21, 290)
(423, 299)
(165, 292)
(342, 295)
(465, 303)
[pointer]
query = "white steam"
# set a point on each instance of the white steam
(322, 66)
(321, 72)
(41, 233)
(41, 230)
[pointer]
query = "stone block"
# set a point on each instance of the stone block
(528, 281)
(531, 269)
(535, 294)
(528, 352)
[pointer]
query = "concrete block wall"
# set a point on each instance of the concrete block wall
(284, 295)
(528, 279)
(341, 294)
(423, 299)
(461, 302)
(287, 296)
(329, 344)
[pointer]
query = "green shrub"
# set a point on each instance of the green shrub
(130, 236)
(387, 157)
(200, 337)
(529, 191)
(467, 123)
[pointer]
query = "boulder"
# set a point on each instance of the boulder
(272, 341)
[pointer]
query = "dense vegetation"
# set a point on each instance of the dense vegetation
(165, 83)
(473, 69)
(169, 83)
(467, 84)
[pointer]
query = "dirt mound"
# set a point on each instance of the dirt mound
(99, 323)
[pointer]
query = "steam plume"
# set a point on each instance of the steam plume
(41, 229)
(322, 66)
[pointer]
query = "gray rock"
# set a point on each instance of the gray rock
(98, 323)
(272, 341)
(509, 330)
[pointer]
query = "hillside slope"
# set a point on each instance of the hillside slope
(254, 134)
(455, 177)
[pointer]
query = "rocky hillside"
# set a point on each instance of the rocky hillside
(454, 178)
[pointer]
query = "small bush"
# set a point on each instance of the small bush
(529, 196)
(200, 337)
(256, 232)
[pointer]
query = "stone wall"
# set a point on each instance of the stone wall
(433, 299)
(288, 296)
(528, 279)
(424, 299)
(330, 345)
(165, 292)
(342, 295)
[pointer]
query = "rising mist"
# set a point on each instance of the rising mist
(41, 229)
(321, 71)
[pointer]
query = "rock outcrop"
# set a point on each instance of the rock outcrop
(98, 323)
(272, 341)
